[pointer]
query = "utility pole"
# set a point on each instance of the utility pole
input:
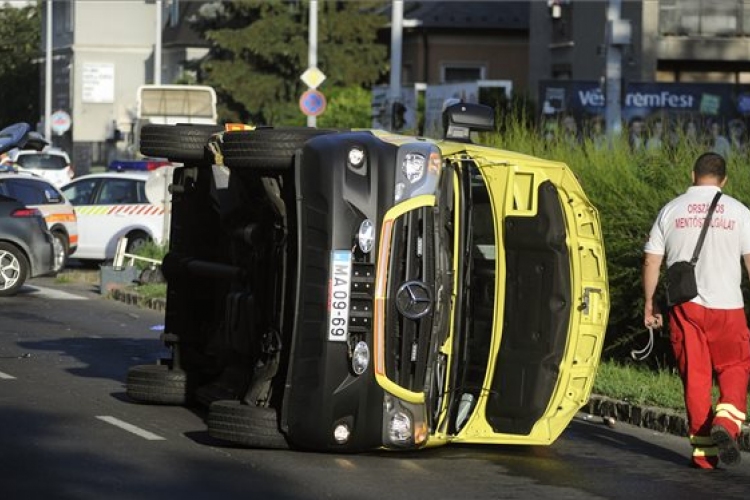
(48, 77)
(157, 45)
(618, 34)
(312, 48)
(397, 21)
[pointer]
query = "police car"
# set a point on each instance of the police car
(110, 206)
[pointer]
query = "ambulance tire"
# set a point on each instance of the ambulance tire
(267, 148)
(157, 384)
(136, 241)
(184, 143)
(60, 246)
(245, 425)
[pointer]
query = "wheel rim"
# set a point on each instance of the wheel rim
(58, 246)
(10, 270)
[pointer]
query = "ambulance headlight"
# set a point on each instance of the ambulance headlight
(356, 157)
(404, 423)
(421, 164)
(400, 428)
(341, 433)
(360, 357)
(366, 236)
(414, 166)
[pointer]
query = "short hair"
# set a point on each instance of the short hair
(710, 165)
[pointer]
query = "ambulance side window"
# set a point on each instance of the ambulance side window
(80, 193)
(118, 192)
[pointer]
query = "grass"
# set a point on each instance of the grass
(642, 385)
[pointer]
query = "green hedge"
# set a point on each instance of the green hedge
(628, 188)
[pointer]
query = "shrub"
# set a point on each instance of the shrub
(628, 189)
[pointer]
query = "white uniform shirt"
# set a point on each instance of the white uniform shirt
(719, 268)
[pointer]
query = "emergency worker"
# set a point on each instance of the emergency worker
(709, 334)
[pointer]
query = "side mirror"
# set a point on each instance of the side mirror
(460, 119)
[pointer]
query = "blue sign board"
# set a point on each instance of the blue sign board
(312, 103)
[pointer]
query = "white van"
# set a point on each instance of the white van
(109, 206)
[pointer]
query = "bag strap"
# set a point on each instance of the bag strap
(704, 230)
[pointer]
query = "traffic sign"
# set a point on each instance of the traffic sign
(312, 103)
(60, 122)
(313, 77)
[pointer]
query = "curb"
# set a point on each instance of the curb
(649, 417)
(133, 299)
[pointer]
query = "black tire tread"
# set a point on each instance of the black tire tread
(266, 149)
(178, 143)
(156, 384)
(245, 425)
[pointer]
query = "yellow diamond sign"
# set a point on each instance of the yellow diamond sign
(313, 77)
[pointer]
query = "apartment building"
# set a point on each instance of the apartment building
(680, 57)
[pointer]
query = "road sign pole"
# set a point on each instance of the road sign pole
(312, 56)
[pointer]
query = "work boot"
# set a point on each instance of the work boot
(729, 449)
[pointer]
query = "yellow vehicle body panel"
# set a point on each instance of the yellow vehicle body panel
(512, 180)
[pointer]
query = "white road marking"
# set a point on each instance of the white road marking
(5, 376)
(131, 428)
(51, 293)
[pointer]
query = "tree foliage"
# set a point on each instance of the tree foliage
(20, 37)
(259, 50)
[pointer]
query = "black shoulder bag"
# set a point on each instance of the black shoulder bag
(681, 284)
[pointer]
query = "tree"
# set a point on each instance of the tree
(20, 39)
(260, 49)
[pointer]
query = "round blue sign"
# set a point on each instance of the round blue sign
(312, 103)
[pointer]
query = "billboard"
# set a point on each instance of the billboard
(586, 99)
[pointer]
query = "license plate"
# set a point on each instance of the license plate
(339, 291)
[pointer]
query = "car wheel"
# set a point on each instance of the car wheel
(267, 148)
(137, 241)
(60, 250)
(245, 425)
(179, 143)
(14, 269)
(157, 384)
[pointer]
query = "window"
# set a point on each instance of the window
(81, 192)
(452, 73)
(30, 192)
(121, 191)
(702, 17)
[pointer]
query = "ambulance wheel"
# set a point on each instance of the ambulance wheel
(136, 241)
(245, 425)
(266, 148)
(60, 247)
(179, 143)
(14, 268)
(156, 384)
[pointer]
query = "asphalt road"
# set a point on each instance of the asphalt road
(69, 432)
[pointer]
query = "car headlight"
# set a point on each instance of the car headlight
(400, 428)
(360, 357)
(366, 236)
(419, 173)
(356, 157)
(414, 166)
(405, 424)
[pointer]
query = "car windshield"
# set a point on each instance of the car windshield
(42, 161)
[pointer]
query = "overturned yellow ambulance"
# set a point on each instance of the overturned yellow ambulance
(351, 290)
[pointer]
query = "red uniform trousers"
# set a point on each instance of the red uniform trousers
(707, 341)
